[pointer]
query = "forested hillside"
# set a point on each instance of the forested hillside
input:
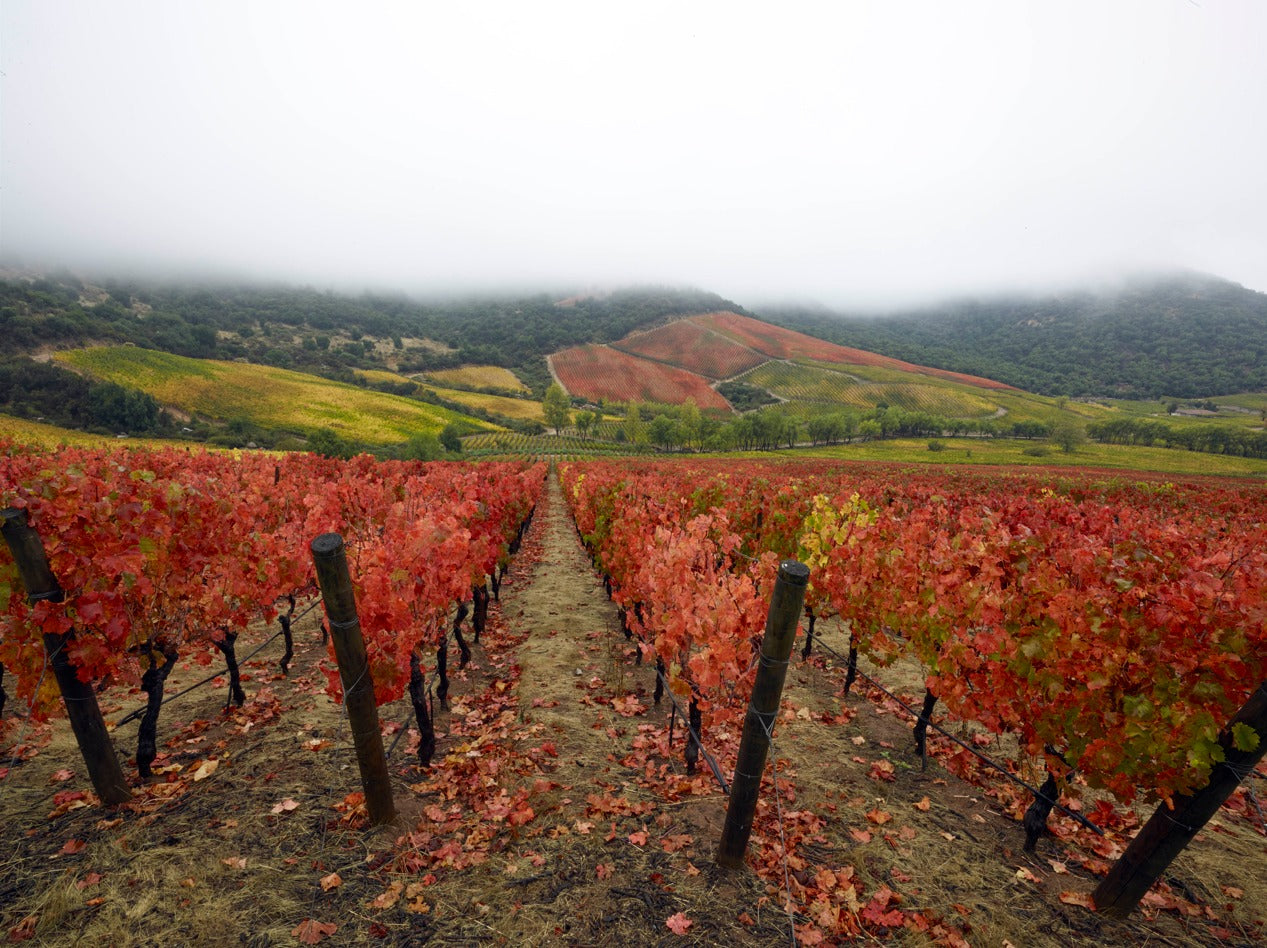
(325, 332)
(1182, 336)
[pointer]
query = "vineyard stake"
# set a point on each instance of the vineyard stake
(758, 728)
(1169, 830)
(79, 697)
(330, 558)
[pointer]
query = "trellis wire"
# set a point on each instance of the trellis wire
(140, 712)
(972, 750)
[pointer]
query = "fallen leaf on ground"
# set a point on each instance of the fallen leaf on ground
(678, 923)
(1078, 898)
(311, 931)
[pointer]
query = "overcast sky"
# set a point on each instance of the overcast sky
(854, 153)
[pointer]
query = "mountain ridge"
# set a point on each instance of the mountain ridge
(1182, 335)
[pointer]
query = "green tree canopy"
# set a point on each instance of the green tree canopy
(557, 407)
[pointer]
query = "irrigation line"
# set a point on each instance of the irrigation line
(972, 750)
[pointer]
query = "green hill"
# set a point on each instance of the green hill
(265, 397)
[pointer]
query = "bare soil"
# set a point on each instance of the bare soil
(555, 812)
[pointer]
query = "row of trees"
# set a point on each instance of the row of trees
(685, 427)
(1212, 439)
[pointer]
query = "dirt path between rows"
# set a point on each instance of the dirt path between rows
(608, 861)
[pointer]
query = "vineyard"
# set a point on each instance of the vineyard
(688, 345)
(510, 445)
(815, 384)
(263, 395)
(1089, 633)
(601, 372)
(778, 343)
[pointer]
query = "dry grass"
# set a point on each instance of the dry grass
(477, 377)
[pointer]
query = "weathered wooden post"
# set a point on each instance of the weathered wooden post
(80, 699)
(767, 690)
(1165, 835)
(330, 558)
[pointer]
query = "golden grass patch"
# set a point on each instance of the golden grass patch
(270, 397)
(477, 376)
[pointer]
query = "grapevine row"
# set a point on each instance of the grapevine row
(167, 552)
(1111, 626)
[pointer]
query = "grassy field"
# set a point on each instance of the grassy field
(272, 398)
(477, 377)
(1011, 451)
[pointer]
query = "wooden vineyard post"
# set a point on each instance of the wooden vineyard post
(330, 559)
(767, 690)
(1165, 835)
(79, 697)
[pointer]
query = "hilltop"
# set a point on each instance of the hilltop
(1181, 335)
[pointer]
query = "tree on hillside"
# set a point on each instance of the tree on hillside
(557, 407)
(1069, 435)
(692, 424)
(635, 432)
(451, 438)
(664, 432)
(585, 421)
